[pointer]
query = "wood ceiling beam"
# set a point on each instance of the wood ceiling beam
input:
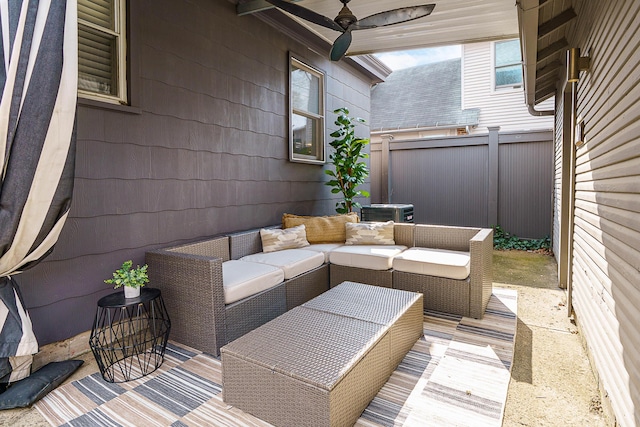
(552, 48)
(549, 87)
(541, 97)
(254, 6)
(550, 69)
(550, 80)
(556, 22)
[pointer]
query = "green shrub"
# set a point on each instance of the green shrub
(503, 240)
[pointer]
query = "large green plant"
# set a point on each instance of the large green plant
(350, 171)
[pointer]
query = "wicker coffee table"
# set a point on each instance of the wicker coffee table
(321, 363)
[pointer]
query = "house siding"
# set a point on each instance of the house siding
(606, 238)
(504, 107)
(203, 152)
(557, 177)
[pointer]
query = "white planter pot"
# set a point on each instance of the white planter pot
(131, 292)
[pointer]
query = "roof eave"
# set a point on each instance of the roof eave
(370, 66)
(528, 28)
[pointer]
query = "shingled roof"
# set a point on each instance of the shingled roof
(423, 96)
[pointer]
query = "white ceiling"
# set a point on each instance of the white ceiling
(452, 22)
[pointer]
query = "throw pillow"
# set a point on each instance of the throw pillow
(274, 239)
(29, 390)
(370, 233)
(321, 229)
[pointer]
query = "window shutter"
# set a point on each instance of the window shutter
(97, 12)
(99, 47)
(96, 61)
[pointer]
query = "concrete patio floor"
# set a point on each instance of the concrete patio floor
(552, 383)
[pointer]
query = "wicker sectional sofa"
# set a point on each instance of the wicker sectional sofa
(190, 277)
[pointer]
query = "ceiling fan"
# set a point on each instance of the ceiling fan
(346, 22)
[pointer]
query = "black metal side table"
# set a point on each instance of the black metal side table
(129, 335)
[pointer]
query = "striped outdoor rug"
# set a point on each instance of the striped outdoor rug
(457, 375)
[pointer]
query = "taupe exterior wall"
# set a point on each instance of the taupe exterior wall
(500, 178)
(202, 151)
(606, 238)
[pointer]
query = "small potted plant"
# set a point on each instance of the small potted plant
(131, 279)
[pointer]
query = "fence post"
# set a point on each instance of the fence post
(385, 177)
(492, 202)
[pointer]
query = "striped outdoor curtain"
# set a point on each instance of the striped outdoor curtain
(38, 81)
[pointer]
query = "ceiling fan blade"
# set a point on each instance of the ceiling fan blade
(394, 16)
(341, 45)
(306, 14)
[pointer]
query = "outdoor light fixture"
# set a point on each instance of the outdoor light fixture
(575, 64)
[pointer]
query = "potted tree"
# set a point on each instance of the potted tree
(131, 279)
(350, 170)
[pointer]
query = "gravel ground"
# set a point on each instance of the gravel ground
(552, 383)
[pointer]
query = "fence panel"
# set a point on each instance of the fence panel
(450, 180)
(525, 188)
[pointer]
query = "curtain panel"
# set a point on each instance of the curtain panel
(38, 80)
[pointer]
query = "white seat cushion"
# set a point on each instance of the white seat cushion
(292, 261)
(325, 248)
(242, 279)
(373, 257)
(434, 262)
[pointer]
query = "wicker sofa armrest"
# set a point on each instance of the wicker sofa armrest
(403, 234)
(216, 247)
(444, 237)
(193, 292)
(246, 242)
(481, 250)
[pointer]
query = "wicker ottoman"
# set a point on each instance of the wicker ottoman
(321, 364)
(400, 311)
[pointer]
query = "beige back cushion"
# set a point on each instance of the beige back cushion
(370, 233)
(321, 229)
(275, 239)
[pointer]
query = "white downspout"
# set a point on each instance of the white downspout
(528, 22)
(535, 112)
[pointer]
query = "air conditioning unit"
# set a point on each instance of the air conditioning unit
(387, 212)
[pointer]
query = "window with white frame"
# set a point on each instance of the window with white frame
(102, 50)
(306, 113)
(508, 64)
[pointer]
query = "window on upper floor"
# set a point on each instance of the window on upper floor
(306, 113)
(102, 50)
(508, 64)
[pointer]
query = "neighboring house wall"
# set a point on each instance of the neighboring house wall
(503, 107)
(204, 151)
(420, 102)
(409, 135)
(606, 238)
